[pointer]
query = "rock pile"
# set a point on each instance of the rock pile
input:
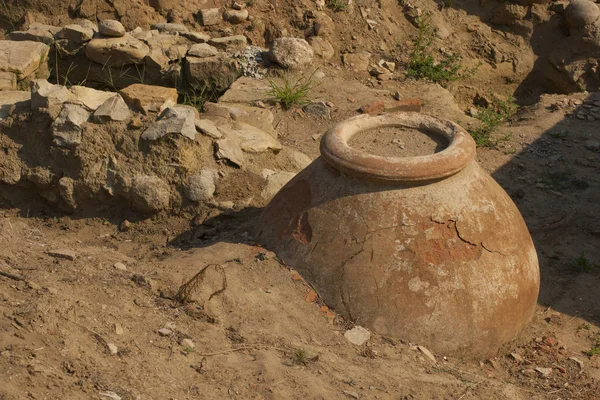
(139, 148)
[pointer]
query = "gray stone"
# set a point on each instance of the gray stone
(275, 181)
(196, 37)
(211, 16)
(110, 27)
(318, 109)
(229, 43)
(113, 109)
(150, 194)
(116, 52)
(87, 97)
(580, 13)
(236, 16)
(177, 119)
(229, 149)
(169, 27)
(357, 335)
(14, 101)
(48, 97)
(591, 144)
(201, 187)
(216, 72)
(292, 53)
(202, 50)
(208, 128)
(67, 129)
(75, 33)
(22, 58)
(36, 33)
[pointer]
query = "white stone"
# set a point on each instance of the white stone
(22, 58)
(208, 128)
(202, 50)
(112, 349)
(110, 27)
(357, 335)
(201, 187)
(290, 52)
(89, 98)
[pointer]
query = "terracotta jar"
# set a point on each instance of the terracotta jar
(428, 249)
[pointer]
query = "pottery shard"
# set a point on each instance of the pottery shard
(211, 16)
(148, 98)
(236, 16)
(216, 72)
(14, 101)
(110, 27)
(89, 98)
(357, 61)
(291, 52)
(75, 33)
(116, 52)
(169, 27)
(67, 129)
(580, 13)
(149, 194)
(22, 58)
(177, 119)
(229, 43)
(36, 33)
(113, 109)
(202, 50)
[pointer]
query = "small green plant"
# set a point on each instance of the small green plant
(491, 117)
(338, 5)
(582, 264)
(422, 64)
(195, 97)
(300, 357)
(291, 92)
(595, 348)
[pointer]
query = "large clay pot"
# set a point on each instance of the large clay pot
(429, 249)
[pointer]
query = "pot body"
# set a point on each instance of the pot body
(447, 263)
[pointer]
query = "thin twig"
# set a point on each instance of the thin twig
(216, 353)
(11, 276)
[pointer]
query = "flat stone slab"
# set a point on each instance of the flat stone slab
(36, 33)
(149, 98)
(246, 90)
(116, 51)
(22, 58)
(12, 101)
(63, 253)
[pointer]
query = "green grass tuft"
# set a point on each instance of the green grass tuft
(291, 92)
(492, 117)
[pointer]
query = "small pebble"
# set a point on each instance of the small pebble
(112, 348)
(188, 343)
(165, 332)
(120, 266)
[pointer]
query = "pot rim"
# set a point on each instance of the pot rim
(457, 155)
